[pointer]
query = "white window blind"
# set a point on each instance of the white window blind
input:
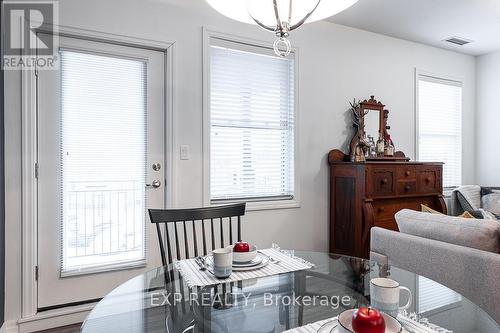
(103, 156)
(440, 126)
(434, 296)
(251, 123)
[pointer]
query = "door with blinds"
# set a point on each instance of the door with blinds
(100, 166)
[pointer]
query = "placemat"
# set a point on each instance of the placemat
(310, 328)
(410, 322)
(415, 323)
(195, 277)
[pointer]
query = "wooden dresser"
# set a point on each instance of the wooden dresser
(363, 195)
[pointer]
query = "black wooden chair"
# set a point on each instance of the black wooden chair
(192, 232)
(179, 230)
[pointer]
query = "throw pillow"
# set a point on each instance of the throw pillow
(469, 197)
(467, 215)
(427, 209)
(477, 214)
(490, 200)
(454, 230)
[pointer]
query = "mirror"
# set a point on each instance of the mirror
(372, 124)
(369, 118)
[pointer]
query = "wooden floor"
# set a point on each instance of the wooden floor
(66, 329)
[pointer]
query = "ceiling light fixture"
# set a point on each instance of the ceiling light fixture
(280, 16)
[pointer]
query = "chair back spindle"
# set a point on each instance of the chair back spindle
(181, 225)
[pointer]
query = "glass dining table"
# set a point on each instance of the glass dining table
(161, 301)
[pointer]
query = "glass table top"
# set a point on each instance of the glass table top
(160, 301)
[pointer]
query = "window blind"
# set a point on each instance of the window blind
(433, 296)
(251, 123)
(440, 126)
(103, 156)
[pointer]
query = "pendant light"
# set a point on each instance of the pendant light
(280, 16)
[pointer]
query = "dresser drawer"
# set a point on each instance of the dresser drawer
(381, 181)
(384, 211)
(406, 187)
(387, 208)
(389, 224)
(407, 172)
(429, 179)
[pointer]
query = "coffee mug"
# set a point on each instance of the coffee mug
(384, 295)
(223, 262)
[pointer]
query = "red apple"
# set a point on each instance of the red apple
(241, 247)
(367, 320)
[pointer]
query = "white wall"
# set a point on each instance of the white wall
(336, 64)
(488, 120)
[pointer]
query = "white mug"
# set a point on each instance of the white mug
(384, 295)
(223, 262)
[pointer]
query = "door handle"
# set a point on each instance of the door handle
(155, 184)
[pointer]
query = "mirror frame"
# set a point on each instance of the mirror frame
(369, 105)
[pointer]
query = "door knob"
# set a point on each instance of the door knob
(156, 166)
(155, 184)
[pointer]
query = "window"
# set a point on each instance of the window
(103, 154)
(434, 296)
(251, 108)
(440, 126)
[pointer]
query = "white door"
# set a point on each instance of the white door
(101, 137)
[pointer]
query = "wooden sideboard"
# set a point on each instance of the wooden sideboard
(364, 195)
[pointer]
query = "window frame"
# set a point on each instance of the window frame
(258, 203)
(457, 81)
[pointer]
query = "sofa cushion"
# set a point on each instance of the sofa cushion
(479, 234)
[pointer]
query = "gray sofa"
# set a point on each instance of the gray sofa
(429, 245)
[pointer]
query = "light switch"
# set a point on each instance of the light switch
(184, 152)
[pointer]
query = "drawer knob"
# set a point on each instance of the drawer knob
(407, 187)
(427, 180)
(407, 173)
(381, 209)
(384, 181)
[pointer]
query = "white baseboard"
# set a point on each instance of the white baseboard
(9, 327)
(49, 319)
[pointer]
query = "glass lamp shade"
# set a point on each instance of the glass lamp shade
(280, 16)
(263, 10)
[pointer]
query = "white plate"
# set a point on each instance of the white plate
(329, 327)
(256, 261)
(391, 324)
(263, 262)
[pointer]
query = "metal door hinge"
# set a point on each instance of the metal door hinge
(37, 171)
(36, 273)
